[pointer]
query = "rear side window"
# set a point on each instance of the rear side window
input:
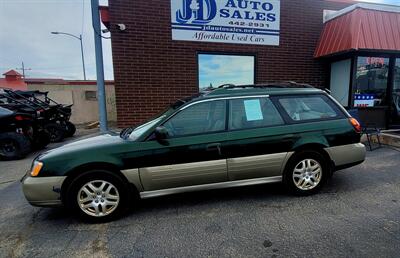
(253, 113)
(309, 108)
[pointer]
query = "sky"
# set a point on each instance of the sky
(394, 2)
(25, 36)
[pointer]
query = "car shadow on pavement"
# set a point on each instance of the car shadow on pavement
(259, 193)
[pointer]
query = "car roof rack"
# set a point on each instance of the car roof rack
(285, 84)
(225, 86)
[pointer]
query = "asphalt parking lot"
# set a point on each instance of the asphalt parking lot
(357, 214)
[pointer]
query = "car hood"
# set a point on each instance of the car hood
(92, 143)
(103, 139)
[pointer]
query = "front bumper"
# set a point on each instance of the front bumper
(43, 191)
(347, 155)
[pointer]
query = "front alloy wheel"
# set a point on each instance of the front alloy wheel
(97, 195)
(98, 198)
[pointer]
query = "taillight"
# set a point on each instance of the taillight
(39, 112)
(355, 124)
(21, 118)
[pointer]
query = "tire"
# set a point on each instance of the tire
(14, 146)
(79, 190)
(40, 140)
(71, 129)
(306, 172)
(56, 132)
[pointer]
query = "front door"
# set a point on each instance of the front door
(192, 153)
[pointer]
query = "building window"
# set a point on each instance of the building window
(91, 95)
(217, 69)
(371, 82)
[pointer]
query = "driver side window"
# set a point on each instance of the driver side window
(200, 118)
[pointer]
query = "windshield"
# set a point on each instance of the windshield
(138, 131)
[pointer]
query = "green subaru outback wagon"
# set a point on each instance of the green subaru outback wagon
(228, 137)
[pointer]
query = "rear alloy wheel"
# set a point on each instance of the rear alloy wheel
(306, 172)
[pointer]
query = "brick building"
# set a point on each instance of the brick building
(152, 68)
(13, 80)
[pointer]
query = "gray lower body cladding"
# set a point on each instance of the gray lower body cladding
(46, 191)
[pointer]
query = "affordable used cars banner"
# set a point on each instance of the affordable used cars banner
(227, 21)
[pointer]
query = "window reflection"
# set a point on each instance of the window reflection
(217, 69)
(371, 81)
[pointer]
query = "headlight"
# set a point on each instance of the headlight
(37, 166)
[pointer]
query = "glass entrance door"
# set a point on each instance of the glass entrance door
(370, 90)
(395, 108)
(371, 82)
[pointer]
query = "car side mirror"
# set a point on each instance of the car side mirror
(161, 133)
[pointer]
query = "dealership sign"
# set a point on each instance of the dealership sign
(227, 21)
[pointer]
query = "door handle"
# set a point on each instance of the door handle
(213, 147)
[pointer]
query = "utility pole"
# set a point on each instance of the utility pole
(101, 93)
(83, 58)
(23, 69)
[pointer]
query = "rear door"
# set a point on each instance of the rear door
(258, 140)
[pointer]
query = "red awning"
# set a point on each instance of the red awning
(360, 29)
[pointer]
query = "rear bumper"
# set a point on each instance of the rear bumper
(344, 156)
(43, 191)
